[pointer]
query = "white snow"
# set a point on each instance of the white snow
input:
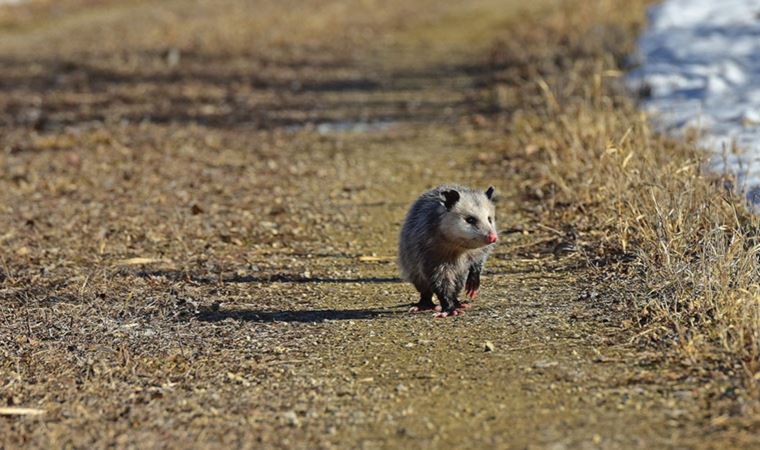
(700, 60)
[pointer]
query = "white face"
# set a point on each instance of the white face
(471, 222)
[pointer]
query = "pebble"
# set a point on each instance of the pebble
(291, 418)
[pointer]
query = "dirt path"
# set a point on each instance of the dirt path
(267, 178)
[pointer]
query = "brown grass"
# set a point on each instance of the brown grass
(633, 193)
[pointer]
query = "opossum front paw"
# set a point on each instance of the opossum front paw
(472, 284)
(452, 313)
(424, 306)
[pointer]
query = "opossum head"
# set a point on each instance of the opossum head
(469, 221)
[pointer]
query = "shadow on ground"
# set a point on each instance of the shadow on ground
(178, 275)
(257, 93)
(303, 316)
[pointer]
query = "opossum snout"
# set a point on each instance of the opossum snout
(491, 238)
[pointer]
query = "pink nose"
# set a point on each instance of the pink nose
(492, 238)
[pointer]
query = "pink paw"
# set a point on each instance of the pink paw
(454, 313)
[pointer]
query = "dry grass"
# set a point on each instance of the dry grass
(630, 191)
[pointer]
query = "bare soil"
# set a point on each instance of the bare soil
(199, 210)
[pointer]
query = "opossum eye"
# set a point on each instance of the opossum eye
(490, 220)
(471, 220)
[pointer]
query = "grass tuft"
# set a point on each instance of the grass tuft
(633, 194)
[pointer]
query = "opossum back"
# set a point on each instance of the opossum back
(419, 227)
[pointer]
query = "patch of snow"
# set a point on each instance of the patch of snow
(700, 68)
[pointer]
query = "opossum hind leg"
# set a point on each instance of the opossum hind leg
(425, 303)
(450, 306)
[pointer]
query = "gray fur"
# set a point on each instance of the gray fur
(438, 250)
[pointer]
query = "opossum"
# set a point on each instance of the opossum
(446, 238)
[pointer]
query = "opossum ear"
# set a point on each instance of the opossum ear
(489, 192)
(450, 198)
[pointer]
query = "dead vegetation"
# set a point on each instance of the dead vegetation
(633, 194)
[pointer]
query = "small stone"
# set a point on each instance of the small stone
(488, 346)
(291, 418)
